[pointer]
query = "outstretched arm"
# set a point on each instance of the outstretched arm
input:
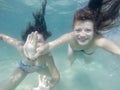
(47, 47)
(66, 38)
(15, 43)
(108, 45)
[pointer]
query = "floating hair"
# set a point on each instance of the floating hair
(39, 24)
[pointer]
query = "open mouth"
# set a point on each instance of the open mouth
(82, 39)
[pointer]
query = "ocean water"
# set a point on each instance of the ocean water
(101, 73)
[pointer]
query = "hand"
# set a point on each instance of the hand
(41, 50)
(43, 84)
(30, 45)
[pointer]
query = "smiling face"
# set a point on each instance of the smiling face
(84, 31)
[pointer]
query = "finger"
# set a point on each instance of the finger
(26, 45)
(44, 80)
(39, 79)
(28, 38)
(35, 38)
(26, 52)
(47, 84)
(44, 77)
(36, 31)
(31, 36)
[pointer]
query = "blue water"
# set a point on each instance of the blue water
(101, 73)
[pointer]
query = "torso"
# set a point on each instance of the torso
(41, 60)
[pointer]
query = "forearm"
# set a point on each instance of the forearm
(55, 79)
(10, 40)
(64, 39)
(45, 49)
(53, 44)
(42, 51)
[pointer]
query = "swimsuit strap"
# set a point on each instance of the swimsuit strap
(82, 51)
(87, 53)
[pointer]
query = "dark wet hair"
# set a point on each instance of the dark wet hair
(102, 12)
(39, 25)
(83, 14)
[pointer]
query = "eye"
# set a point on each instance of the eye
(88, 30)
(78, 30)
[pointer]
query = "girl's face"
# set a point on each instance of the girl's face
(84, 31)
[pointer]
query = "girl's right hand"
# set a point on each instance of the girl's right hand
(30, 45)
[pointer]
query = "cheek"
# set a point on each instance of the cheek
(91, 35)
(40, 39)
(76, 33)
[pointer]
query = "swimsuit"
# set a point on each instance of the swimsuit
(82, 54)
(29, 68)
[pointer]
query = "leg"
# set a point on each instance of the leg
(14, 80)
(44, 71)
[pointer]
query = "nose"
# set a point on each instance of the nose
(82, 34)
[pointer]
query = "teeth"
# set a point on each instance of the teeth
(82, 39)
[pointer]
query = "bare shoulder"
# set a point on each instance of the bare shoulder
(100, 40)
